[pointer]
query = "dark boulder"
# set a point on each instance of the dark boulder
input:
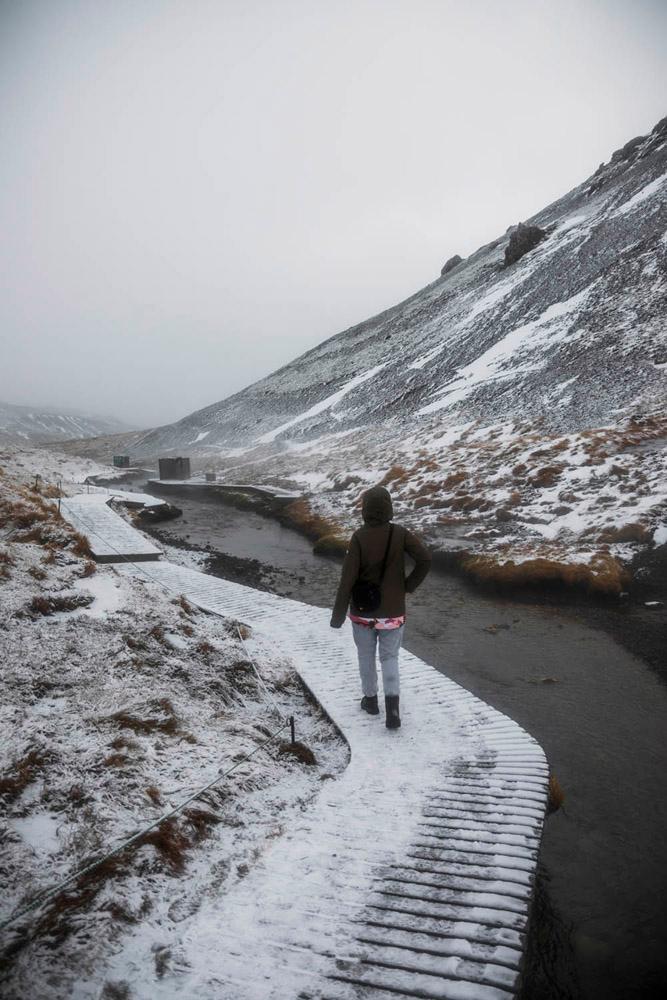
(161, 512)
(451, 264)
(523, 239)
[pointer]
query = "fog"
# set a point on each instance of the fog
(193, 193)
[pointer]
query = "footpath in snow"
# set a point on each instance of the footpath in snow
(411, 875)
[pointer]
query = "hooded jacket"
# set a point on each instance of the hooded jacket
(363, 560)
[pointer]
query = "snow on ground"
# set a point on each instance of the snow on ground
(53, 466)
(112, 713)
(646, 192)
(325, 404)
(506, 491)
(517, 353)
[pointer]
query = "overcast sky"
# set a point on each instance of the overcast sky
(194, 192)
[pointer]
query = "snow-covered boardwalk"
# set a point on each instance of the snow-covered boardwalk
(111, 538)
(411, 875)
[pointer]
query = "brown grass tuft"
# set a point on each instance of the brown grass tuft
(116, 760)
(556, 794)
(173, 838)
(153, 794)
(301, 516)
(634, 532)
(454, 479)
(298, 750)
(24, 771)
(546, 476)
(603, 575)
(89, 568)
(5, 562)
(184, 605)
(51, 603)
(330, 545)
(81, 546)
(163, 720)
(396, 474)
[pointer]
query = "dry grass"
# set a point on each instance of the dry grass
(330, 545)
(633, 532)
(173, 838)
(547, 476)
(300, 515)
(153, 794)
(184, 605)
(16, 778)
(454, 479)
(89, 568)
(116, 760)
(49, 604)
(6, 561)
(396, 474)
(556, 794)
(603, 575)
(163, 720)
(298, 750)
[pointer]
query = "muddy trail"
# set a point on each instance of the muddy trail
(599, 711)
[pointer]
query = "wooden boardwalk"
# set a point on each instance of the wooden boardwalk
(411, 875)
(111, 538)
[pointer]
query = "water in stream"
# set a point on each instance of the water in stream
(599, 713)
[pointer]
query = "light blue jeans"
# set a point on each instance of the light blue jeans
(388, 643)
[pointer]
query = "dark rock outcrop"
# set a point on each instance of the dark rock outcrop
(523, 239)
(451, 264)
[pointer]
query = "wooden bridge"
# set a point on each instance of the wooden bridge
(411, 875)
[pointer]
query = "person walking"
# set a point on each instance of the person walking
(373, 586)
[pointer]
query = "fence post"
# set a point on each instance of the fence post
(291, 726)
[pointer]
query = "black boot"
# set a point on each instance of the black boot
(393, 719)
(369, 703)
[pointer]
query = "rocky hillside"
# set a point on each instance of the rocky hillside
(25, 424)
(516, 404)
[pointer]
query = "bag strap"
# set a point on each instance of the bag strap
(386, 552)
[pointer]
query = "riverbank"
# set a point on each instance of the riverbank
(637, 618)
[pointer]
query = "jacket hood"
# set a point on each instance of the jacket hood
(376, 507)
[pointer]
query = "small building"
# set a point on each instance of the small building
(121, 461)
(210, 477)
(174, 468)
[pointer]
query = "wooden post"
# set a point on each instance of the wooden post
(291, 726)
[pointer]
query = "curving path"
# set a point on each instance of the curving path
(411, 875)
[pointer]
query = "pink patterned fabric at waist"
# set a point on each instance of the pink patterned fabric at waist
(379, 623)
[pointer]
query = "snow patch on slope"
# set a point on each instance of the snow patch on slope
(495, 363)
(325, 404)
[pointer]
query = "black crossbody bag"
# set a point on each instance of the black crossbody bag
(367, 596)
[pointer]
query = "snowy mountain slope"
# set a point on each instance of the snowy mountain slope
(517, 410)
(571, 332)
(26, 424)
